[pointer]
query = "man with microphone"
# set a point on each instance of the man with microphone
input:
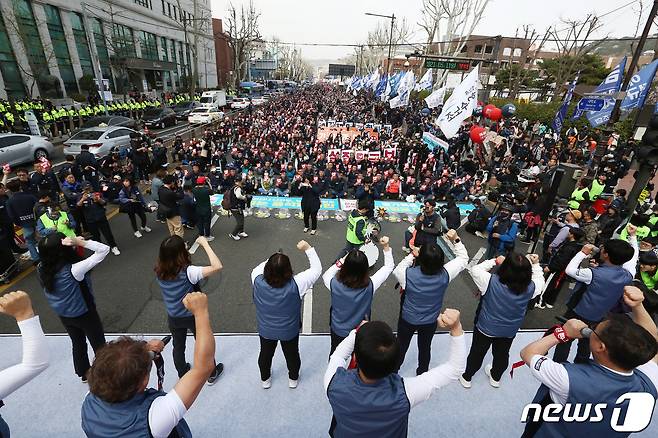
(625, 361)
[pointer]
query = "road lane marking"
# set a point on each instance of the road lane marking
(307, 316)
(195, 246)
(476, 258)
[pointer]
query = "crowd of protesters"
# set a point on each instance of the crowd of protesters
(273, 150)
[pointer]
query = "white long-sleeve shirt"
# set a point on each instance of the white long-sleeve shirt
(306, 279)
(419, 388)
(34, 361)
(80, 268)
(482, 276)
(453, 267)
(584, 275)
(377, 279)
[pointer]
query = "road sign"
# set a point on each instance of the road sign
(445, 64)
(341, 69)
(590, 104)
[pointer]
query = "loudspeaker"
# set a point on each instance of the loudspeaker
(572, 174)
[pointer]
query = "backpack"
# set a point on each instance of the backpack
(227, 200)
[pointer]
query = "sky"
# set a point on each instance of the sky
(345, 22)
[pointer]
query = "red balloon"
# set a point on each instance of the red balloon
(477, 134)
(487, 110)
(495, 114)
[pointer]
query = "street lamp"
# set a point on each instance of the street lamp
(390, 38)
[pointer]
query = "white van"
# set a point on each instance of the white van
(213, 99)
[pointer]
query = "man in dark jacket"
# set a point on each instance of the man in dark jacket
(557, 264)
(20, 208)
(92, 206)
(6, 224)
(428, 227)
(169, 198)
(608, 223)
(203, 210)
(478, 219)
(89, 166)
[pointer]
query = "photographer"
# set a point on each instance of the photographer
(132, 203)
(625, 360)
(502, 229)
(35, 351)
(310, 204)
(239, 200)
(478, 219)
(119, 402)
(427, 228)
(92, 206)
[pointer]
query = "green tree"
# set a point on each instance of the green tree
(507, 77)
(87, 84)
(591, 67)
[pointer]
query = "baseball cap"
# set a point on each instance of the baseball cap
(201, 180)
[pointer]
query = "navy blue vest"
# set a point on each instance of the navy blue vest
(379, 410)
(128, 419)
(349, 306)
(502, 311)
(67, 299)
(173, 292)
(4, 428)
(278, 311)
(605, 290)
(423, 296)
(592, 383)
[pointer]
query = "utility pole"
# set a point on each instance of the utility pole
(94, 55)
(361, 60)
(390, 39)
(614, 117)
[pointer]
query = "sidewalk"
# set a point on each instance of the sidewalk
(238, 407)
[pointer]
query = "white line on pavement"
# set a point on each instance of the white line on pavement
(463, 222)
(195, 246)
(307, 317)
(476, 258)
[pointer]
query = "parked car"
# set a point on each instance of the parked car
(205, 115)
(240, 103)
(101, 140)
(259, 100)
(183, 109)
(126, 122)
(159, 117)
(21, 148)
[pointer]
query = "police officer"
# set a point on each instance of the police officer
(579, 195)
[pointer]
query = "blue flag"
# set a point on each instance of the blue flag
(381, 86)
(610, 85)
(637, 91)
(562, 112)
(395, 82)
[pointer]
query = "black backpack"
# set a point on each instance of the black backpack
(228, 201)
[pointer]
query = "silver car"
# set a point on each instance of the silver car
(101, 140)
(22, 148)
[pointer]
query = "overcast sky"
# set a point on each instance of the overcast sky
(344, 22)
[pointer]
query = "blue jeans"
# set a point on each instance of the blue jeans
(28, 234)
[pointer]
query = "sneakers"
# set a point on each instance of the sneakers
(407, 250)
(312, 232)
(306, 230)
(138, 234)
(233, 237)
(116, 251)
(219, 369)
(146, 229)
(479, 234)
(243, 234)
(292, 384)
(210, 238)
(465, 383)
(492, 382)
(549, 306)
(267, 384)
(540, 305)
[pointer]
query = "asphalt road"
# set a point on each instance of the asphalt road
(129, 300)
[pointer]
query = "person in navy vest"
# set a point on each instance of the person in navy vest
(625, 360)
(373, 400)
(424, 279)
(352, 290)
(67, 285)
(177, 276)
(35, 351)
(601, 288)
(504, 298)
(278, 300)
(119, 402)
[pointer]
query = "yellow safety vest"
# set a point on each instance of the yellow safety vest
(60, 224)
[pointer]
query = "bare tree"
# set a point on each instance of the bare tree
(537, 43)
(370, 55)
(242, 33)
(571, 44)
(451, 22)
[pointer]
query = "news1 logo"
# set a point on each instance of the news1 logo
(633, 416)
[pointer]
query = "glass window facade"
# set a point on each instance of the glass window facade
(101, 49)
(149, 45)
(145, 3)
(11, 75)
(123, 42)
(81, 45)
(60, 48)
(164, 52)
(29, 34)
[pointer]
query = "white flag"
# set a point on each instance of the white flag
(425, 82)
(374, 80)
(460, 104)
(436, 98)
(404, 90)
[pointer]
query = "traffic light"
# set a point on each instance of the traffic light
(647, 152)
